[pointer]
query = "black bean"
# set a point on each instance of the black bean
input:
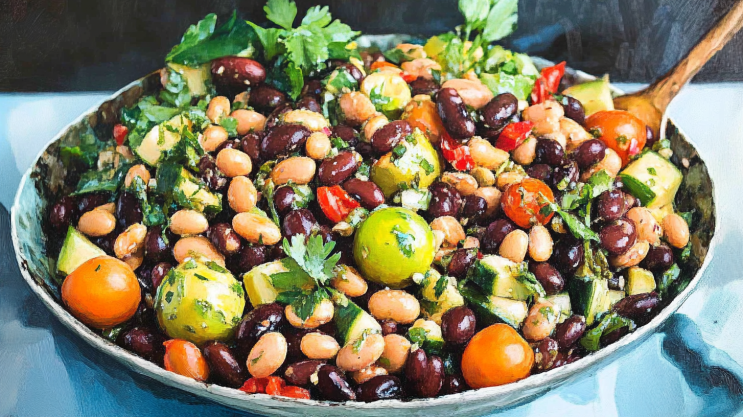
(495, 233)
(106, 243)
(128, 210)
(618, 236)
(145, 342)
(228, 144)
(549, 152)
(454, 115)
(224, 238)
(367, 192)
(283, 140)
(567, 255)
(158, 246)
(616, 282)
(474, 207)
(445, 200)
(566, 177)
(638, 307)
(650, 138)
(326, 233)
(213, 179)
(542, 172)
(265, 98)
(611, 205)
(63, 213)
(611, 337)
(570, 331)
(433, 380)
(458, 325)
(250, 256)
(312, 88)
(158, 272)
(296, 222)
(294, 341)
(659, 258)
(460, 262)
(337, 169)
(573, 109)
(309, 103)
(283, 199)
(223, 367)
(548, 276)
(333, 385)
(261, 320)
(380, 387)
(424, 86)
(88, 202)
(236, 73)
(345, 132)
(545, 354)
(589, 153)
(498, 112)
(389, 135)
(388, 327)
(300, 373)
(454, 384)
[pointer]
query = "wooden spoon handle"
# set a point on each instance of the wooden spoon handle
(665, 89)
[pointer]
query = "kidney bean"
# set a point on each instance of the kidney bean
(107, 242)
(223, 366)
(224, 238)
(424, 86)
(567, 255)
(425, 374)
(458, 325)
(283, 199)
(368, 193)
(659, 258)
(650, 138)
(272, 120)
(474, 207)
(284, 139)
(589, 153)
(495, 233)
(144, 342)
(263, 319)
(610, 205)
(445, 200)
(460, 262)
(128, 210)
(309, 103)
(88, 202)
(380, 387)
(545, 354)
(570, 331)
(388, 327)
(300, 221)
(156, 247)
(337, 169)
(573, 109)
(237, 73)
(345, 132)
(549, 152)
(565, 177)
(548, 276)
(638, 307)
(611, 337)
(454, 114)
(250, 256)
(454, 384)
(498, 112)
(265, 99)
(312, 88)
(300, 373)
(228, 144)
(542, 172)
(618, 236)
(389, 135)
(63, 213)
(158, 272)
(333, 385)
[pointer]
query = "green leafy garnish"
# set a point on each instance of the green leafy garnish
(578, 228)
(417, 335)
(404, 241)
(202, 43)
(85, 153)
(313, 257)
(521, 273)
(152, 213)
(667, 279)
(230, 125)
(611, 322)
(441, 284)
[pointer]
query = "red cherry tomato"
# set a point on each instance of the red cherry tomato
(523, 201)
(620, 130)
(295, 392)
(335, 202)
(255, 386)
(547, 83)
(457, 154)
(275, 385)
(513, 135)
(120, 132)
(409, 78)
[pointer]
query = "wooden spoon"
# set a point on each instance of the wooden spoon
(650, 104)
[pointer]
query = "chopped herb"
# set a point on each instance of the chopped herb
(189, 329)
(404, 241)
(611, 322)
(621, 139)
(595, 132)
(169, 296)
(360, 341)
(201, 277)
(667, 279)
(190, 264)
(399, 150)
(98, 268)
(427, 166)
(216, 267)
(417, 335)
(441, 285)
(339, 143)
(652, 171)
(257, 358)
(230, 125)
(313, 256)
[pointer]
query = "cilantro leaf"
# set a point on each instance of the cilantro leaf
(108, 180)
(230, 125)
(305, 47)
(600, 182)
(202, 43)
(404, 241)
(305, 304)
(318, 16)
(501, 20)
(577, 227)
(521, 274)
(281, 12)
(441, 285)
(475, 12)
(611, 322)
(313, 256)
(269, 38)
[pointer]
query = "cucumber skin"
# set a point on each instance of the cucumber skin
(638, 189)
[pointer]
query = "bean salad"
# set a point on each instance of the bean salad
(294, 215)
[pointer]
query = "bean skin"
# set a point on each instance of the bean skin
(389, 135)
(261, 320)
(145, 342)
(659, 258)
(498, 112)
(611, 205)
(275, 116)
(424, 373)
(337, 169)
(638, 307)
(333, 385)
(454, 115)
(236, 72)
(90, 201)
(454, 384)
(445, 200)
(309, 103)
(573, 109)
(265, 98)
(381, 387)
(63, 212)
(495, 233)
(549, 152)
(618, 236)
(460, 262)
(296, 222)
(567, 255)
(545, 354)
(300, 373)
(570, 331)
(424, 86)
(548, 276)
(224, 238)
(267, 355)
(458, 325)
(589, 153)
(223, 366)
(542, 172)
(367, 192)
(155, 247)
(250, 256)
(128, 210)
(283, 140)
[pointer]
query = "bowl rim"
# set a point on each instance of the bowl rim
(534, 384)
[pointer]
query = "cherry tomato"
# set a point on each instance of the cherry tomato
(513, 135)
(408, 77)
(547, 83)
(379, 64)
(335, 202)
(423, 115)
(184, 358)
(620, 130)
(275, 385)
(457, 154)
(523, 200)
(120, 132)
(295, 392)
(496, 355)
(255, 386)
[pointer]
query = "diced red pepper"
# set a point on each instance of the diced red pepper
(275, 385)
(335, 202)
(409, 78)
(513, 135)
(379, 64)
(457, 154)
(634, 147)
(255, 386)
(547, 83)
(120, 132)
(295, 392)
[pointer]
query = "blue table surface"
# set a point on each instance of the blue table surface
(689, 369)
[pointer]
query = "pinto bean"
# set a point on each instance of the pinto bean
(473, 92)
(631, 257)
(541, 321)
(492, 197)
(540, 243)
(354, 357)
(218, 108)
(367, 192)
(368, 373)
(394, 305)
(323, 313)
(188, 222)
(395, 353)
(96, 223)
(319, 346)
(267, 355)
(348, 281)
(356, 107)
(299, 169)
(248, 121)
(486, 155)
(676, 230)
(318, 146)
(187, 247)
(514, 246)
(453, 231)
(337, 169)
(647, 227)
(242, 195)
(526, 152)
(465, 184)
(256, 229)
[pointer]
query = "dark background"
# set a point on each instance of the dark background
(74, 45)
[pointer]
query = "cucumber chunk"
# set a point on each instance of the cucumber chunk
(653, 179)
(492, 309)
(562, 301)
(352, 321)
(496, 276)
(76, 250)
(639, 281)
(258, 282)
(186, 189)
(588, 297)
(161, 138)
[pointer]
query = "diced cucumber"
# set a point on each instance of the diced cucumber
(653, 179)
(76, 250)
(639, 281)
(429, 337)
(661, 212)
(351, 321)
(562, 301)
(494, 309)
(196, 78)
(594, 95)
(258, 282)
(161, 138)
(432, 307)
(613, 297)
(494, 275)
(588, 297)
(186, 189)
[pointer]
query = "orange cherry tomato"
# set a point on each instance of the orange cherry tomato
(184, 358)
(379, 64)
(496, 355)
(102, 292)
(620, 130)
(522, 202)
(423, 115)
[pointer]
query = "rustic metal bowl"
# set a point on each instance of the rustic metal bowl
(43, 184)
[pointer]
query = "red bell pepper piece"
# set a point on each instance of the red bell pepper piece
(335, 202)
(548, 83)
(513, 135)
(409, 78)
(120, 132)
(458, 155)
(275, 385)
(295, 392)
(379, 64)
(255, 386)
